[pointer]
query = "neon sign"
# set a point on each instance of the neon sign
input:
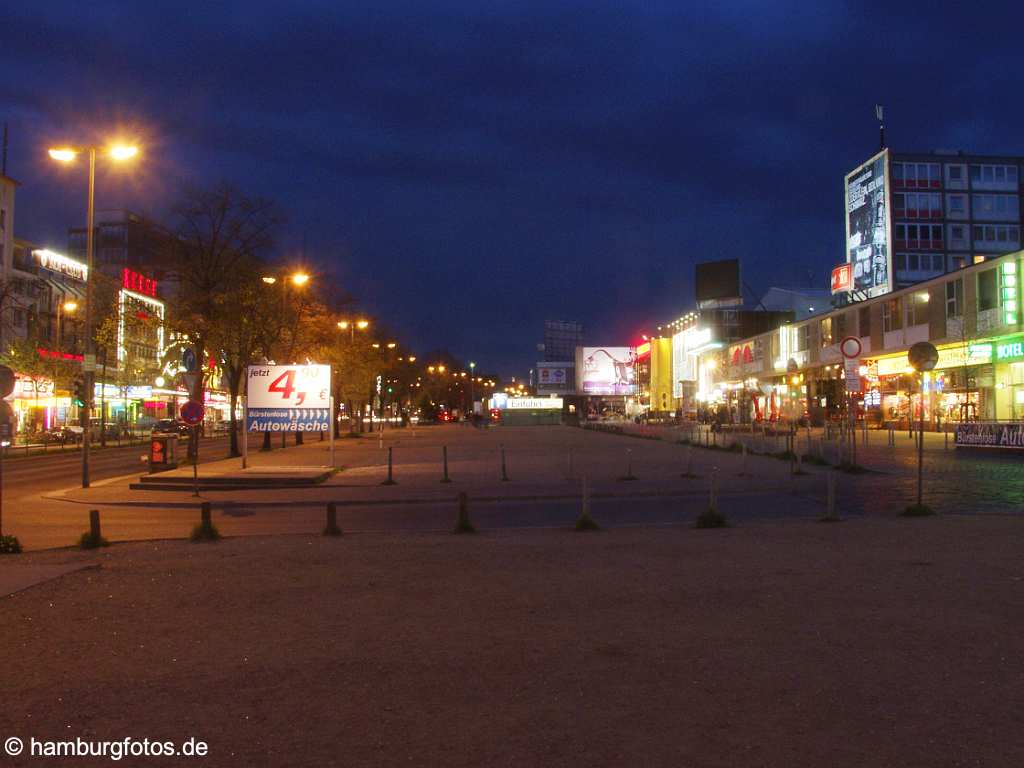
(133, 281)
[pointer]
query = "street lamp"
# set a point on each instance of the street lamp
(299, 279)
(118, 153)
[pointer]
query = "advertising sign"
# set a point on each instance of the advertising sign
(686, 345)
(607, 371)
(57, 262)
(842, 278)
(979, 434)
(868, 226)
(288, 398)
(533, 403)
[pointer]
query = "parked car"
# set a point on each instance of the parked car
(173, 426)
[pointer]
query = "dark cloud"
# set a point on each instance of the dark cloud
(469, 170)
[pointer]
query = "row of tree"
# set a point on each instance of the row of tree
(229, 303)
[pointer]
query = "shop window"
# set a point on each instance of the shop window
(826, 332)
(955, 298)
(803, 337)
(988, 290)
(892, 314)
(864, 321)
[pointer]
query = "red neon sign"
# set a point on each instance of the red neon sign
(133, 281)
(53, 354)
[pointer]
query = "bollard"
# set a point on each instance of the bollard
(205, 531)
(504, 468)
(585, 522)
(830, 499)
(688, 465)
(945, 439)
(711, 517)
(94, 537)
(391, 479)
(332, 529)
(743, 459)
(799, 464)
(444, 455)
(892, 437)
(629, 466)
(462, 524)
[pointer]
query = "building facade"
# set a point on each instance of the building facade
(971, 315)
(950, 209)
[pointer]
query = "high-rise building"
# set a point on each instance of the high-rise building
(125, 240)
(561, 337)
(946, 209)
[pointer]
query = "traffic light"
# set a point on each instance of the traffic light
(78, 388)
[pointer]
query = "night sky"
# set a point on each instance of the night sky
(471, 169)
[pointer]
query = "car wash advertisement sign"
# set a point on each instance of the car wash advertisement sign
(981, 434)
(288, 398)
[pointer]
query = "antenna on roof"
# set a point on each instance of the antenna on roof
(880, 116)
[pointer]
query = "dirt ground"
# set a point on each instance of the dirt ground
(872, 642)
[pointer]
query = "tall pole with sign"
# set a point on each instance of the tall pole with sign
(922, 357)
(851, 349)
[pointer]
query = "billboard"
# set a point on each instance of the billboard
(288, 398)
(868, 226)
(842, 279)
(555, 376)
(718, 283)
(606, 370)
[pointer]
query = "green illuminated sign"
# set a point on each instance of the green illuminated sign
(1010, 350)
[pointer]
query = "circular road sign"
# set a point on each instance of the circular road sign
(192, 413)
(850, 347)
(923, 356)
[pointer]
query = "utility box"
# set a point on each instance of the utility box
(163, 450)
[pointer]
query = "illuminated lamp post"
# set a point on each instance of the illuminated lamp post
(118, 153)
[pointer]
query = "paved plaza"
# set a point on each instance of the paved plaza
(877, 641)
(544, 467)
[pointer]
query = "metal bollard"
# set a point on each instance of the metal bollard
(945, 439)
(504, 468)
(94, 524)
(331, 528)
(688, 466)
(629, 466)
(204, 515)
(444, 455)
(391, 479)
(830, 497)
(462, 523)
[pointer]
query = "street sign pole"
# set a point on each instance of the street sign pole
(245, 432)
(331, 431)
(195, 461)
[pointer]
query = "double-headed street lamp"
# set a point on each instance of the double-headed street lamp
(118, 153)
(351, 326)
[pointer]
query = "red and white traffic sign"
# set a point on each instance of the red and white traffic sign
(289, 386)
(192, 413)
(850, 347)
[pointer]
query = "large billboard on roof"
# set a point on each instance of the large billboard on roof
(868, 249)
(717, 283)
(606, 370)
